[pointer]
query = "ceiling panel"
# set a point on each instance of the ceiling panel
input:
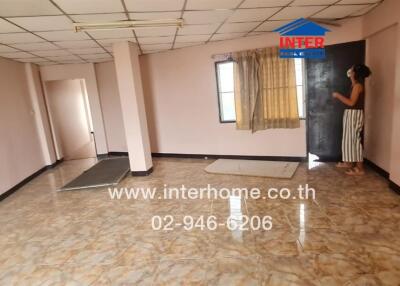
(64, 58)
(45, 63)
(155, 16)
(86, 51)
(61, 62)
(211, 4)
(52, 53)
(206, 17)
(182, 45)
(33, 60)
(77, 44)
(90, 6)
(111, 34)
(151, 32)
(270, 26)
(198, 29)
(291, 13)
(63, 36)
(238, 27)
(109, 49)
(5, 49)
(44, 46)
(255, 34)
(157, 47)
(192, 38)
(247, 15)
(101, 60)
(7, 27)
(96, 56)
(109, 42)
(19, 38)
(99, 17)
(154, 5)
(358, 1)
(264, 3)
(228, 36)
(16, 55)
(10, 8)
(336, 11)
(156, 40)
(364, 10)
(312, 2)
(45, 23)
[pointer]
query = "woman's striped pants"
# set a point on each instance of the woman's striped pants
(353, 122)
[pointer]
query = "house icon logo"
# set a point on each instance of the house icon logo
(302, 38)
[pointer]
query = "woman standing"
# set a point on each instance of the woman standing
(353, 120)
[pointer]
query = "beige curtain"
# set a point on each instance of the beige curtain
(265, 90)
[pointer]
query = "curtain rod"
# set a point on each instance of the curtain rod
(229, 54)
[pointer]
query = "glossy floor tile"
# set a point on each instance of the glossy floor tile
(348, 234)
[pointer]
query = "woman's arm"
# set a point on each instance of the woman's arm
(355, 94)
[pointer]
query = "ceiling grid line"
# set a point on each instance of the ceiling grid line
(177, 29)
(20, 50)
(73, 21)
(44, 39)
(255, 28)
(219, 27)
(133, 31)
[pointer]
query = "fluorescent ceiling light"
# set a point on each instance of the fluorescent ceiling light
(79, 27)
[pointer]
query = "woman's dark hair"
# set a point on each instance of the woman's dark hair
(361, 72)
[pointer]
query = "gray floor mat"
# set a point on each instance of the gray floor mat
(272, 169)
(106, 172)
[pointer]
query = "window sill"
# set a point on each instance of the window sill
(223, 122)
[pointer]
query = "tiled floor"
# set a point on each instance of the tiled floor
(348, 235)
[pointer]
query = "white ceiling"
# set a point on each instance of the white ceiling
(40, 31)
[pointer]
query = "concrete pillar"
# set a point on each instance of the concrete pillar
(126, 57)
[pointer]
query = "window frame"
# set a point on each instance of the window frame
(219, 92)
(234, 121)
(304, 87)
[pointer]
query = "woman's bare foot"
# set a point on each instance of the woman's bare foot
(344, 165)
(355, 172)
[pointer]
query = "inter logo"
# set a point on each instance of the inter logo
(302, 39)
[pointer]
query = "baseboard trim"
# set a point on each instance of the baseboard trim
(394, 187)
(376, 168)
(102, 156)
(118, 153)
(242, 157)
(142, 173)
(28, 179)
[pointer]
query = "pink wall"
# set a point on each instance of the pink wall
(111, 106)
(380, 96)
(182, 105)
(382, 17)
(20, 150)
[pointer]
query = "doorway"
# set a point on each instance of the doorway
(70, 119)
(324, 118)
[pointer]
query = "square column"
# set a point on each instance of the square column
(126, 57)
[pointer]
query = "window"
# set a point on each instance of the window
(225, 87)
(226, 96)
(301, 99)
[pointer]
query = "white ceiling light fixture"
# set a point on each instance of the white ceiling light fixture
(80, 27)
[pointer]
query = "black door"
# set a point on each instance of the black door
(324, 121)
